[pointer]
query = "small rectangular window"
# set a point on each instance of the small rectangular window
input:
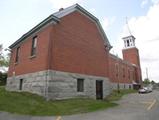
(21, 84)
(129, 74)
(80, 85)
(133, 75)
(34, 46)
(17, 55)
(123, 73)
(116, 69)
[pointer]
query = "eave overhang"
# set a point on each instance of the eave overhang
(51, 19)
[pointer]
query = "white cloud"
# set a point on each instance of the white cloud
(92, 11)
(57, 4)
(143, 3)
(107, 22)
(155, 1)
(145, 29)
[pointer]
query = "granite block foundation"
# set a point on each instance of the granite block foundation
(57, 85)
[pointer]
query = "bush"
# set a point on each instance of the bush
(3, 79)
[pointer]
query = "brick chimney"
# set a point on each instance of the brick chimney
(61, 9)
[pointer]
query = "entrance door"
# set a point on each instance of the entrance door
(99, 89)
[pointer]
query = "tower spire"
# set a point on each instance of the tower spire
(129, 40)
(127, 24)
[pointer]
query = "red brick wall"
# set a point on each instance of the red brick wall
(138, 75)
(78, 46)
(125, 72)
(26, 64)
(131, 55)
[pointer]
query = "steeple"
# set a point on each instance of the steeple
(131, 53)
(129, 40)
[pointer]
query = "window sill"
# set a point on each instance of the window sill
(33, 56)
(16, 63)
(80, 92)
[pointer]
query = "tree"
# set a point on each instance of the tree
(1, 48)
(3, 79)
(4, 63)
(4, 59)
(153, 82)
(146, 81)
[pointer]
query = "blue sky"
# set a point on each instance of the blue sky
(19, 16)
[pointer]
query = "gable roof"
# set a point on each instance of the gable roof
(56, 18)
(46, 21)
(77, 7)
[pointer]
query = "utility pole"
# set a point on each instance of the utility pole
(147, 73)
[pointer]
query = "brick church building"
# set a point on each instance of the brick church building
(67, 55)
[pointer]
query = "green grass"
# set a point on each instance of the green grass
(31, 104)
(114, 96)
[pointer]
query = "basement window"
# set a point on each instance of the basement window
(21, 84)
(80, 85)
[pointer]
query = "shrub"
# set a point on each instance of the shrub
(3, 79)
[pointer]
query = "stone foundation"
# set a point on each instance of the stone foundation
(122, 86)
(57, 85)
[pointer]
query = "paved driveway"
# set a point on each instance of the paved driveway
(132, 107)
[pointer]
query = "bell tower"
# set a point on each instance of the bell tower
(130, 52)
(129, 41)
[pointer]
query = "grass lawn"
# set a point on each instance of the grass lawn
(31, 104)
(114, 96)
